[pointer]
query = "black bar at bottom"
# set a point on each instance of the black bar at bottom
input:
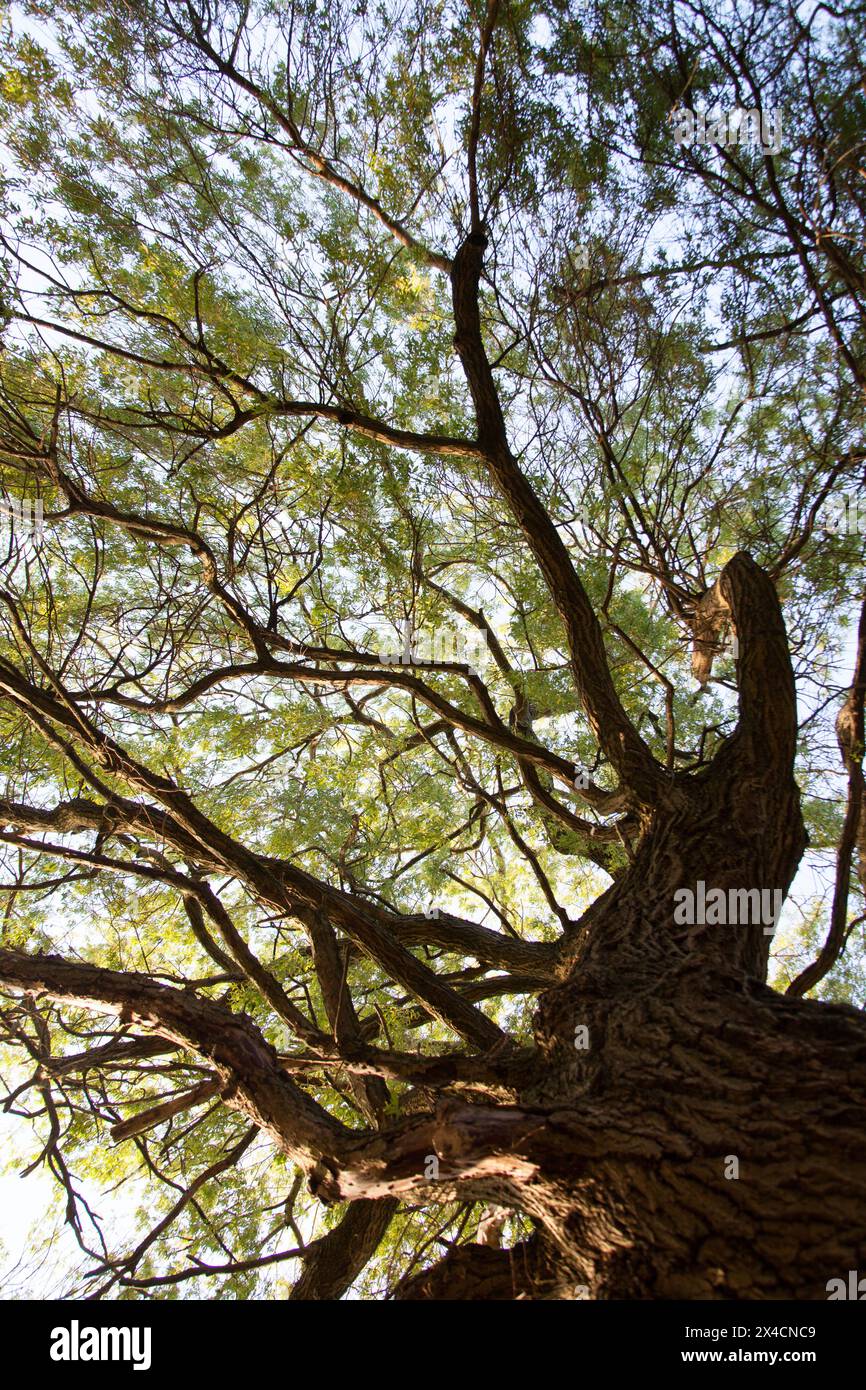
(186, 1337)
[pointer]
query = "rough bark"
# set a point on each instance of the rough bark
(625, 1151)
(477, 1273)
(333, 1262)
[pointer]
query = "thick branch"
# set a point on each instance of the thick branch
(166, 1110)
(616, 734)
(332, 1263)
(247, 1065)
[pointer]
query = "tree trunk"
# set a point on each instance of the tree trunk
(624, 1154)
(706, 1142)
(684, 1131)
(726, 1156)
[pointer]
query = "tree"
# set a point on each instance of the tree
(415, 414)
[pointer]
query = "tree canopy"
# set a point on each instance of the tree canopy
(396, 389)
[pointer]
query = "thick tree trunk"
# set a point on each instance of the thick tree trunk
(729, 1158)
(708, 1141)
(685, 1131)
(708, 1145)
